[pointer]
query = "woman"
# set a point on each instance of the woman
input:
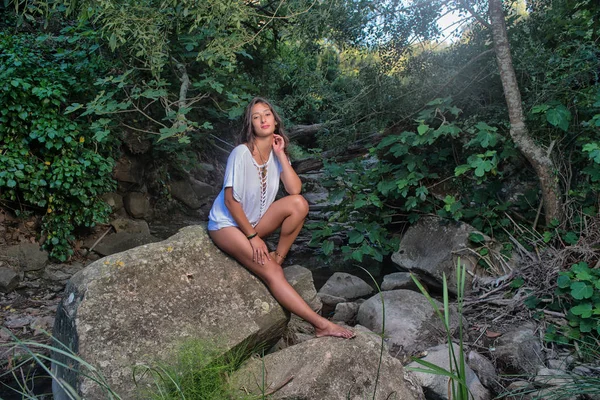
(245, 211)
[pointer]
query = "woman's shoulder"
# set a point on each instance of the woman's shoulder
(239, 150)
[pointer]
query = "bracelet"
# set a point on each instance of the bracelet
(251, 236)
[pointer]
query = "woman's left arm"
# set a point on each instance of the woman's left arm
(289, 177)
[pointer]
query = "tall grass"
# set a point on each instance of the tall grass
(458, 388)
(200, 371)
(36, 354)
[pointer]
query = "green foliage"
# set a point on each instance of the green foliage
(51, 163)
(578, 294)
(199, 370)
(397, 182)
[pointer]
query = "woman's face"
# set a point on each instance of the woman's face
(263, 120)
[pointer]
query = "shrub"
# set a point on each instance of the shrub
(50, 163)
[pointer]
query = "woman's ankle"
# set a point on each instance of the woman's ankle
(278, 258)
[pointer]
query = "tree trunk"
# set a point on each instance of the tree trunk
(536, 155)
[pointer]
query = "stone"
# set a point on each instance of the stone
(129, 169)
(31, 257)
(9, 279)
(329, 368)
(114, 200)
(519, 351)
(436, 386)
(302, 280)
(130, 225)
(183, 192)
(137, 204)
(346, 312)
(331, 300)
(203, 191)
(345, 286)
(138, 306)
(17, 321)
(552, 377)
(61, 272)
(398, 280)
(431, 248)
(411, 324)
(485, 370)
(122, 241)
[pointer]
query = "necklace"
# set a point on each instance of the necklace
(261, 157)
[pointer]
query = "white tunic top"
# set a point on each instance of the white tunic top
(254, 187)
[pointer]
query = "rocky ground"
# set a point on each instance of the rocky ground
(28, 309)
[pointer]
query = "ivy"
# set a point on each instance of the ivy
(50, 163)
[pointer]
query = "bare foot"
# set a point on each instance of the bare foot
(334, 330)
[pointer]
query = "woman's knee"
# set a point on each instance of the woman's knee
(300, 205)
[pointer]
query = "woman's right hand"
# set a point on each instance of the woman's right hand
(260, 252)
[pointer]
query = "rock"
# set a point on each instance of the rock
(519, 351)
(552, 377)
(182, 191)
(520, 390)
(331, 300)
(9, 279)
(42, 325)
(302, 280)
(346, 312)
(398, 280)
(137, 204)
(17, 321)
(130, 225)
(436, 386)
(485, 370)
(192, 192)
(122, 241)
(61, 272)
(31, 257)
(345, 286)
(203, 191)
(411, 324)
(129, 169)
(563, 363)
(329, 369)
(114, 200)
(430, 248)
(138, 306)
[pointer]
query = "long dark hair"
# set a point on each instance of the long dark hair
(247, 133)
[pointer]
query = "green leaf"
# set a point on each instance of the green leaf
(355, 237)
(583, 310)
(461, 169)
(327, 247)
(422, 129)
(563, 281)
(559, 116)
(571, 238)
(581, 290)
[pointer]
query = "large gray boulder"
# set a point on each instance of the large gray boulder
(138, 306)
(411, 324)
(431, 248)
(331, 369)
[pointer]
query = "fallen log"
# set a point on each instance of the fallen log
(354, 150)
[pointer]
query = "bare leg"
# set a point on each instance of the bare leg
(232, 241)
(288, 213)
